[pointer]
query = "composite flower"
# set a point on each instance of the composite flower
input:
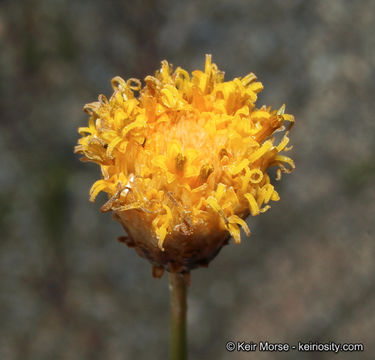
(184, 159)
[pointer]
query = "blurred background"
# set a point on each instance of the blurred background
(69, 290)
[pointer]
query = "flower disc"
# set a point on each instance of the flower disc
(184, 160)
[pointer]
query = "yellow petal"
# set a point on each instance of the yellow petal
(254, 209)
(260, 152)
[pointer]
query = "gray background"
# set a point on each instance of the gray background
(69, 290)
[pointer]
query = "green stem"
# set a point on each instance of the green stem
(177, 287)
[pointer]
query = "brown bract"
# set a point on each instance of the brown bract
(183, 250)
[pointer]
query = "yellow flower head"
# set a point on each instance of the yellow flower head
(184, 160)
